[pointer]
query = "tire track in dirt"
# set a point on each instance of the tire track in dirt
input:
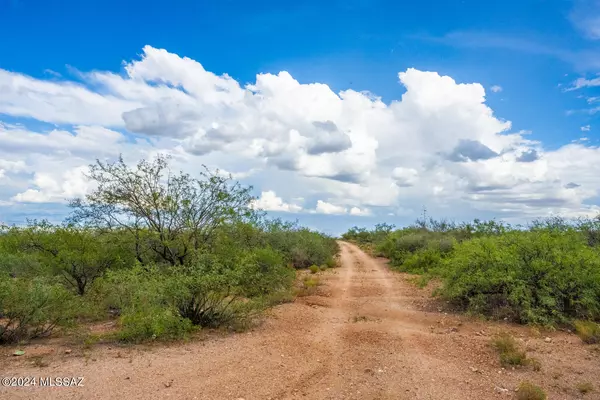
(326, 378)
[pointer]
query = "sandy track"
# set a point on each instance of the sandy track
(364, 336)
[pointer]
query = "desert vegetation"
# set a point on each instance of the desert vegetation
(163, 253)
(546, 273)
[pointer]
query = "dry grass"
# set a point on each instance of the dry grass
(585, 387)
(535, 364)
(509, 350)
(529, 391)
(308, 287)
(588, 331)
(360, 318)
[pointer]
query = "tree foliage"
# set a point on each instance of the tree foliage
(171, 214)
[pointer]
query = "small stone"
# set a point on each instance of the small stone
(547, 340)
(500, 389)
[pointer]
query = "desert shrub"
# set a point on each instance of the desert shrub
(308, 286)
(33, 307)
(356, 234)
(535, 363)
(540, 277)
(529, 391)
(153, 322)
(508, 350)
(263, 271)
(585, 387)
(125, 290)
(235, 238)
(226, 288)
(588, 331)
(78, 255)
(19, 264)
(165, 303)
(206, 300)
(363, 236)
(314, 269)
(422, 261)
(299, 246)
(411, 243)
(401, 245)
(590, 229)
(331, 263)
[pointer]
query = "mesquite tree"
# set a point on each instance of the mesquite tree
(169, 216)
(78, 254)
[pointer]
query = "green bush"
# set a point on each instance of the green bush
(314, 269)
(540, 277)
(264, 271)
(153, 322)
(411, 243)
(166, 303)
(20, 264)
(363, 236)
(226, 287)
(129, 289)
(423, 261)
(77, 255)
(299, 246)
(331, 263)
(205, 297)
(33, 307)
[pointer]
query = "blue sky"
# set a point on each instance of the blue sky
(532, 51)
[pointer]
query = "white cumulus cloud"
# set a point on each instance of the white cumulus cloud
(439, 145)
(360, 212)
(269, 201)
(324, 207)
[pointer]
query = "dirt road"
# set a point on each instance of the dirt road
(365, 335)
